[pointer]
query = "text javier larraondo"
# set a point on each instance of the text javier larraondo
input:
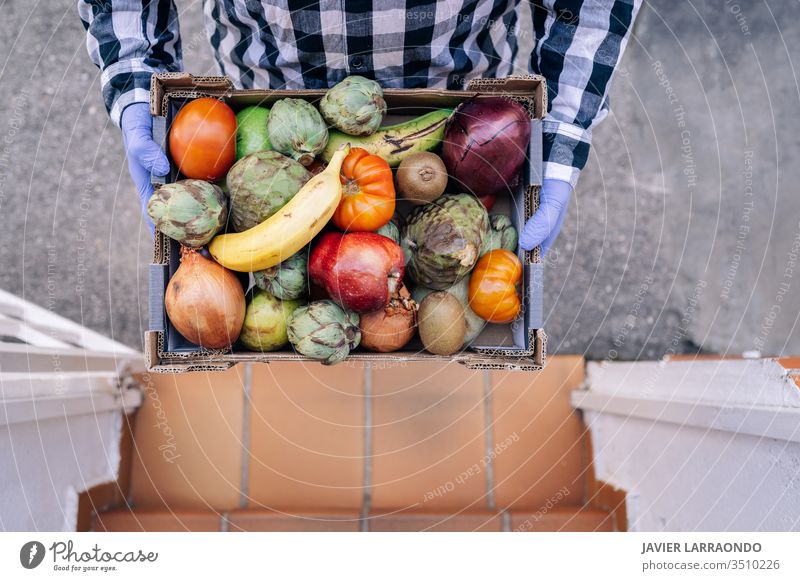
(66, 556)
(700, 547)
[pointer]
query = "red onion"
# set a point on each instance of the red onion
(486, 143)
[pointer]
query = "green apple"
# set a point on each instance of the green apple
(251, 131)
(264, 326)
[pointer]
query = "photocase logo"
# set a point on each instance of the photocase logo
(31, 554)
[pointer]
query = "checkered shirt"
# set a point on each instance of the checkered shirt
(293, 44)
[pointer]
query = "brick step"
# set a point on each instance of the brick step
(558, 519)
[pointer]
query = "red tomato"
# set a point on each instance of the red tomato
(202, 139)
(368, 193)
(492, 289)
(488, 201)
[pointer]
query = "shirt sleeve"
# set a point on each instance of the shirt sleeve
(129, 40)
(578, 44)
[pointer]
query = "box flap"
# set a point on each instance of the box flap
(160, 137)
(535, 153)
(534, 303)
(158, 285)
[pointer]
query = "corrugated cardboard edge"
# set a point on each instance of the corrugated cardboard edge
(158, 362)
(153, 350)
(167, 85)
(176, 81)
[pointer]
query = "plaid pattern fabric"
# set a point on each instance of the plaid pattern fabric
(296, 44)
(130, 40)
(578, 45)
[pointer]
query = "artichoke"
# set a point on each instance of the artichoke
(502, 234)
(287, 280)
(459, 290)
(264, 327)
(324, 331)
(442, 240)
(297, 129)
(355, 106)
(391, 230)
(189, 211)
(260, 184)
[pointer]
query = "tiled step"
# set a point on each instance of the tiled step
(121, 520)
(426, 437)
(563, 520)
(271, 521)
(483, 522)
(568, 519)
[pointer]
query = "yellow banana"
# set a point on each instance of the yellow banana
(292, 227)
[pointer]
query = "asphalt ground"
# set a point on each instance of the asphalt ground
(683, 234)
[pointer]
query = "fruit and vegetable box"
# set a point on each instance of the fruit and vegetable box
(357, 223)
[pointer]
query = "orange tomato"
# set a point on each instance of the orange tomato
(493, 284)
(368, 193)
(202, 139)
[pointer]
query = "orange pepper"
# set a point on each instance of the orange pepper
(493, 284)
(368, 193)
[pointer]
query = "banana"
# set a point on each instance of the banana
(396, 142)
(283, 234)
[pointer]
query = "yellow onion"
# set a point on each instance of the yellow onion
(205, 301)
(390, 328)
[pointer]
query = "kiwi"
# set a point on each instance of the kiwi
(441, 322)
(421, 177)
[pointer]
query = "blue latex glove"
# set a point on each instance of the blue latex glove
(544, 226)
(144, 155)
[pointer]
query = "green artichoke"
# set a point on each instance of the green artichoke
(324, 331)
(251, 131)
(442, 239)
(502, 234)
(260, 184)
(391, 230)
(287, 280)
(189, 211)
(297, 129)
(459, 290)
(265, 321)
(355, 106)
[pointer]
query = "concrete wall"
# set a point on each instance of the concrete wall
(684, 232)
(693, 479)
(697, 445)
(647, 263)
(46, 464)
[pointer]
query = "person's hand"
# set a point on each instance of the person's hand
(144, 155)
(543, 227)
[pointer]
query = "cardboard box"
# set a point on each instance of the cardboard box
(520, 345)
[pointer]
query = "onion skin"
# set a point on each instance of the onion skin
(205, 302)
(486, 143)
(392, 327)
